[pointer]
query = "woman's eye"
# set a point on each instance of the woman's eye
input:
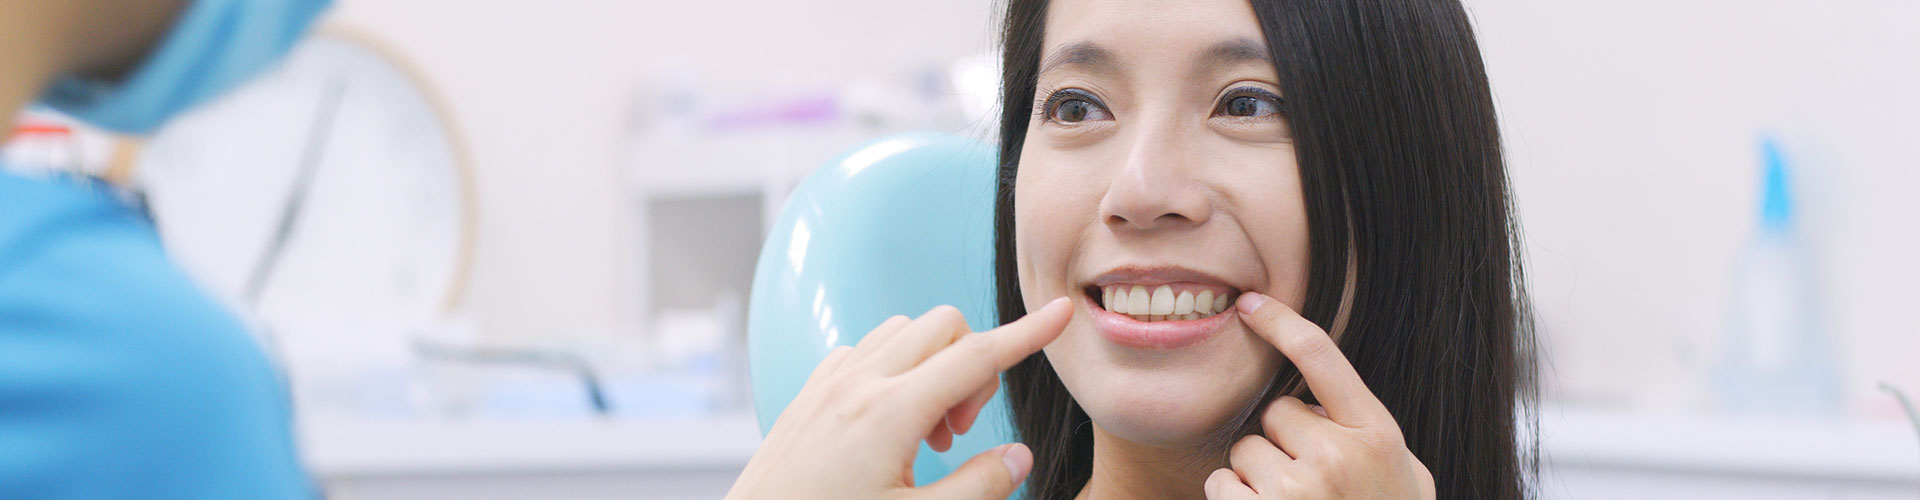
(1073, 106)
(1072, 111)
(1250, 106)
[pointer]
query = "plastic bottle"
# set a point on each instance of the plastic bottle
(1776, 358)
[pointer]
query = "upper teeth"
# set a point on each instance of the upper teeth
(1162, 304)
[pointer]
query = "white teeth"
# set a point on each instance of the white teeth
(1162, 303)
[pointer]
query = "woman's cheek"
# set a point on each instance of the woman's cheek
(1050, 218)
(1038, 249)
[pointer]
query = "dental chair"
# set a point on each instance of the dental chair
(897, 226)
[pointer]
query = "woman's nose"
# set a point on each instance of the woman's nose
(1155, 187)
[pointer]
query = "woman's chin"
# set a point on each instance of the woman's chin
(1162, 412)
(1172, 399)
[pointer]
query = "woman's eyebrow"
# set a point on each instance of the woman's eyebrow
(1237, 51)
(1098, 59)
(1081, 53)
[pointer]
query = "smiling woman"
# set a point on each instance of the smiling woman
(1338, 156)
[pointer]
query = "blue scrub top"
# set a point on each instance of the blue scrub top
(119, 378)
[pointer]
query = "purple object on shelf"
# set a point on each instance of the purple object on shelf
(816, 109)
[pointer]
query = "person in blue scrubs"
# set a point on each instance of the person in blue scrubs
(119, 378)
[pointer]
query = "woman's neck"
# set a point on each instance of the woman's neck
(28, 60)
(1125, 470)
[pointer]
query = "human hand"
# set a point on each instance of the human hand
(1349, 449)
(854, 427)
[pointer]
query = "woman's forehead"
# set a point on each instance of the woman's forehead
(1107, 36)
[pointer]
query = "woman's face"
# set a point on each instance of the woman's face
(1157, 164)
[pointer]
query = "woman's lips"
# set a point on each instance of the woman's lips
(1163, 335)
(1143, 306)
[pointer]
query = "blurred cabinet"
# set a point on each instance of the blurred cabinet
(1605, 455)
(1587, 455)
(525, 460)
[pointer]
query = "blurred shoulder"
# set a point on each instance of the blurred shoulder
(117, 371)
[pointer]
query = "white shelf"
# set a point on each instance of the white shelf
(335, 448)
(1885, 452)
(755, 161)
(1739, 446)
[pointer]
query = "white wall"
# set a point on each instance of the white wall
(542, 91)
(1632, 127)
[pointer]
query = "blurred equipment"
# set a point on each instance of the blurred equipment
(49, 143)
(39, 144)
(334, 200)
(710, 165)
(896, 227)
(1913, 416)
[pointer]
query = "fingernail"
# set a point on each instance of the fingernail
(1250, 302)
(1321, 410)
(1019, 461)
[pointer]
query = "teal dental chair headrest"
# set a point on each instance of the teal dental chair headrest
(897, 226)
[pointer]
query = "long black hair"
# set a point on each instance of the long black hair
(1400, 166)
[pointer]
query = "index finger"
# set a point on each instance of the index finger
(1326, 370)
(955, 373)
